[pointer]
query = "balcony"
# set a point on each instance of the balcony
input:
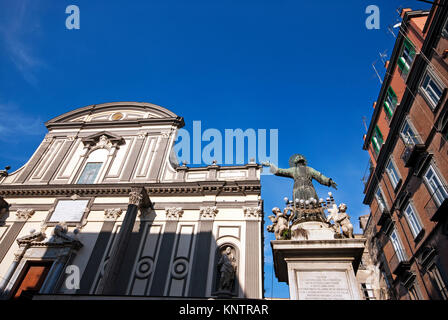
(399, 264)
(384, 219)
(411, 154)
(437, 204)
(368, 176)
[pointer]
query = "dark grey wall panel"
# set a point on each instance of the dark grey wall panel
(198, 281)
(163, 262)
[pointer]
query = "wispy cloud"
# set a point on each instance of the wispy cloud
(19, 24)
(18, 124)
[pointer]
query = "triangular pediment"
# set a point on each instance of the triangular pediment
(96, 137)
(39, 239)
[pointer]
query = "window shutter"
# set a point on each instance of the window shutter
(388, 109)
(401, 63)
(408, 43)
(379, 135)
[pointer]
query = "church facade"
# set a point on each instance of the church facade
(103, 208)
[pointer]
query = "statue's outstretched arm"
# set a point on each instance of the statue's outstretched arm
(277, 171)
(319, 177)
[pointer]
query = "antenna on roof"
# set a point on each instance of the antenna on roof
(383, 56)
(364, 121)
(376, 71)
(390, 28)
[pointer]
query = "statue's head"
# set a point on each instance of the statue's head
(276, 210)
(228, 250)
(297, 159)
(342, 207)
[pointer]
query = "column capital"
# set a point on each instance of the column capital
(208, 213)
(139, 197)
(174, 213)
(253, 212)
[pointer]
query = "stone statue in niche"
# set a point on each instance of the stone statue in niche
(226, 270)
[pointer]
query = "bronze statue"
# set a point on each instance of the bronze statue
(303, 176)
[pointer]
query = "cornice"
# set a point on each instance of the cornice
(177, 122)
(159, 189)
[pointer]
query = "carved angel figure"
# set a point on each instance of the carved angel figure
(279, 223)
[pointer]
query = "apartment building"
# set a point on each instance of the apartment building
(407, 188)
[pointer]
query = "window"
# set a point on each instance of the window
(445, 29)
(438, 280)
(413, 221)
(431, 89)
(377, 139)
(407, 56)
(380, 199)
(437, 189)
(69, 211)
(90, 172)
(368, 291)
(32, 280)
(401, 255)
(93, 169)
(392, 172)
(408, 134)
(390, 102)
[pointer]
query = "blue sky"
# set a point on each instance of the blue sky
(302, 67)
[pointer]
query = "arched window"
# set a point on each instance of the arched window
(93, 167)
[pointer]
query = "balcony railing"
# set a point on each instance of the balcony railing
(437, 204)
(368, 175)
(411, 154)
(398, 263)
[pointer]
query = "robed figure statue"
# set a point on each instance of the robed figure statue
(303, 176)
(227, 268)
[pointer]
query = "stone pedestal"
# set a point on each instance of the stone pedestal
(319, 269)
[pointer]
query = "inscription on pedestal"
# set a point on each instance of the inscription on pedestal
(323, 285)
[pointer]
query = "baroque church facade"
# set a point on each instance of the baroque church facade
(103, 208)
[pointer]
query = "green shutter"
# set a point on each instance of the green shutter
(408, 44)
(375, 145)
(377, 140)
(388, 110)
(393, 97)
(379, 135)
(401, 63)
(392, 93)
